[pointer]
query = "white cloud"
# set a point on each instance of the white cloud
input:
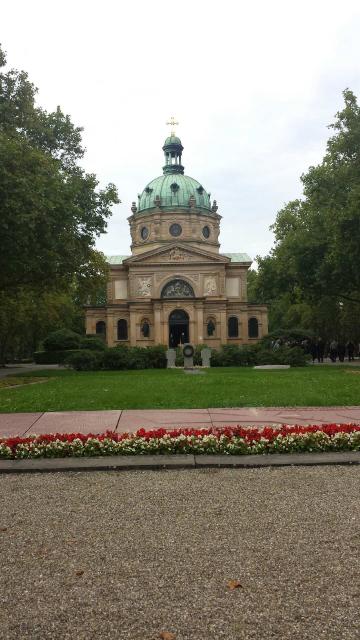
(253, 86)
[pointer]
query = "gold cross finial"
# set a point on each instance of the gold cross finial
(172, 122)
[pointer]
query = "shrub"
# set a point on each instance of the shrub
(85, 360)
(53, 357)
(136, 358)
(62, 340)
(250, 355)
(156, 357)
(93, 343)
(293, 356)
(232, 355)
(124, 357)
(116, 358)
(179, 359)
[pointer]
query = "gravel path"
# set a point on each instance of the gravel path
(128, 555)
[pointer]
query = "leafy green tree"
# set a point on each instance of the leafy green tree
(51, 210)
(314, 266)
(51, 214)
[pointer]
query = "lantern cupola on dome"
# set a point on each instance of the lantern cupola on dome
(174, 189)
(172, 150)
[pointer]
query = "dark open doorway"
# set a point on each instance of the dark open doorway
(178, 328)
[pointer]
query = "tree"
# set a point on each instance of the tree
(51, 210)
(51, 213)
(315, 262)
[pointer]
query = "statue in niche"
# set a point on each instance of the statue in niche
(210, 286)
(210, 328)
(144, 287)
(145, 329)
(177, 289)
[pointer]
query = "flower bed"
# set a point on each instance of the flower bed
(228, 441)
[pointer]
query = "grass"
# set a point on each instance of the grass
(172, 389)
(15, 381)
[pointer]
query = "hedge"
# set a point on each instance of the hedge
(257, 354)
(85, 360)
(53, 357)
(119, 358)
(61, 340)
(124, 357)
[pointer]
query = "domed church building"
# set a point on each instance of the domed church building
(176, 286)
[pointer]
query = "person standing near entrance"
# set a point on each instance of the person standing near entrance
(341, 350)
(350, 350)
(320, 346)
(313, 350)
(333, 350)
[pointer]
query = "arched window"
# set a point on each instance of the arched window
(210, 327)
(178, 289)
(233, 327)
(253, 328)
(101, 328)
(122, 330)
(145, 329)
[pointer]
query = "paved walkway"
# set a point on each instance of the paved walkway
(13, 424)
(20, 369)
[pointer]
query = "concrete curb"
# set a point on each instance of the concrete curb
(180, 461)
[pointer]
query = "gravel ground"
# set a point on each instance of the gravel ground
(129, 555)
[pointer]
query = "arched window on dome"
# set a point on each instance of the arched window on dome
(233, 327)
(253, 328)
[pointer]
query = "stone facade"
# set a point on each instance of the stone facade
(176, 287)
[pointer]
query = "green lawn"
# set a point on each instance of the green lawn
(172, 389)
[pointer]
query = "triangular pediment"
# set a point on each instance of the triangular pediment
(177, 253)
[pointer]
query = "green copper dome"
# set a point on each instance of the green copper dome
(173, 140)
(173, 189)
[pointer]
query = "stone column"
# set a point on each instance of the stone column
(223, 327)
(192, 325)
(164, 326)
(90, 324)
(110, 330)
(264, 321)
(132, 327)
(199, 338)
(157, 324)
(243, 326)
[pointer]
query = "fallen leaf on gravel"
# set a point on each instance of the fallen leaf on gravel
(3, 529)
(166, 635)
(234, 584)
(79, 573)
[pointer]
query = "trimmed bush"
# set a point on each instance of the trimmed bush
(231, 355)
(53, 357)
(156, 357)
(116, 358)
(124, 357)
(85, 360)
(93, 343)
(62, 340)
(250, 355)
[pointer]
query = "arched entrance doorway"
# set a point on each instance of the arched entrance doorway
(178, 328)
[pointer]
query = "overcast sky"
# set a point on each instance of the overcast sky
(253, 85)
